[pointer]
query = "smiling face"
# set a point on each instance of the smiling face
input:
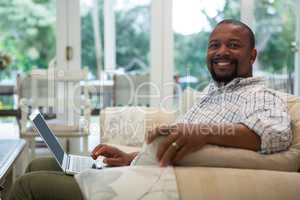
(229, 53)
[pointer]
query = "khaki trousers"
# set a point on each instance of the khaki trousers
(44, 180)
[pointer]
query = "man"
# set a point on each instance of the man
(236, 111)
(236, 103)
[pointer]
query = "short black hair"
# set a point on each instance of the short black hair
(239, 23)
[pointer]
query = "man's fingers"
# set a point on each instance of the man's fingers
(97, 148)
(181, 153)
(104, 150)
(165, 144)
(168, 156)
(172, 151)
(166, 129)
(150, 136)
(160, 130)
(113, 161)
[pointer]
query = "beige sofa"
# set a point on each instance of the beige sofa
(215, 172)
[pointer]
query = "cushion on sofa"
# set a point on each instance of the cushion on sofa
(203, 183)
(294, 111)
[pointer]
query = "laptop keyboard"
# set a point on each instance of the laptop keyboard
(79, 163)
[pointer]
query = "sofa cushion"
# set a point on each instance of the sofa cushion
(294, 111)
(203, 183)
(217, 156)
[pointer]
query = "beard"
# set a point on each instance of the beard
(227, 77)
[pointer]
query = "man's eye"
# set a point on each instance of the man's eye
(213, 45)
(233, 45)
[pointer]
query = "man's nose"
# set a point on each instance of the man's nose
(222, 51)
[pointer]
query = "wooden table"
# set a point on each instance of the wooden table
(10, 150)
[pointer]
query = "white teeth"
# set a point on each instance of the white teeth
(223, 63)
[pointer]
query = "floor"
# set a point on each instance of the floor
(9, 130)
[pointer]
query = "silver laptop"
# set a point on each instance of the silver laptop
(70, 164)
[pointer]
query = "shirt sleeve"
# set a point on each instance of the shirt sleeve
(266, 114)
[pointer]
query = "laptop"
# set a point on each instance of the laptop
(70, 164)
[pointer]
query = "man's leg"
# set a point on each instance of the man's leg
(49, 184)
(43, 164)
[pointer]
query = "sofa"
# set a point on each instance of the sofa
(214, 172)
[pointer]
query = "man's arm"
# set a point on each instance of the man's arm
(187, 138)
(234, 135)
(229, 135)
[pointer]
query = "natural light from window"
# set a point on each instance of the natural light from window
(188, 18)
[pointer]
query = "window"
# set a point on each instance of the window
(91, 20)
(275, 24)
(132, 26)
(133, 30)
(125, 45)
(27, 37)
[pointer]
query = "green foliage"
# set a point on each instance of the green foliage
(88, 56)
(190, 54)
(27, 33)
(132, 35)
(276, 22)
(88, 53)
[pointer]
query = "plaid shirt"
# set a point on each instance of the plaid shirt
(246, 101)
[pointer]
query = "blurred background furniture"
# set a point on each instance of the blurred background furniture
(131, 90)
(7, 89)
(100, 93)
(62, 100)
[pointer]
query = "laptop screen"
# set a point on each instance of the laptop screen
(49, 137)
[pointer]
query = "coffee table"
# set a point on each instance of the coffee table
(10, 150)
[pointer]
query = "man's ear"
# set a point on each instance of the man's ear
(253, 55)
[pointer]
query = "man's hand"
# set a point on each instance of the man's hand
(181, 139)
(113, 156)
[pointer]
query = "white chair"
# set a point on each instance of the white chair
(126, 127)
(56, 93)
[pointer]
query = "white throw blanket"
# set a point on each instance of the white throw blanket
(143, 180)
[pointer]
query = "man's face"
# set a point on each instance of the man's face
(229, 54)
